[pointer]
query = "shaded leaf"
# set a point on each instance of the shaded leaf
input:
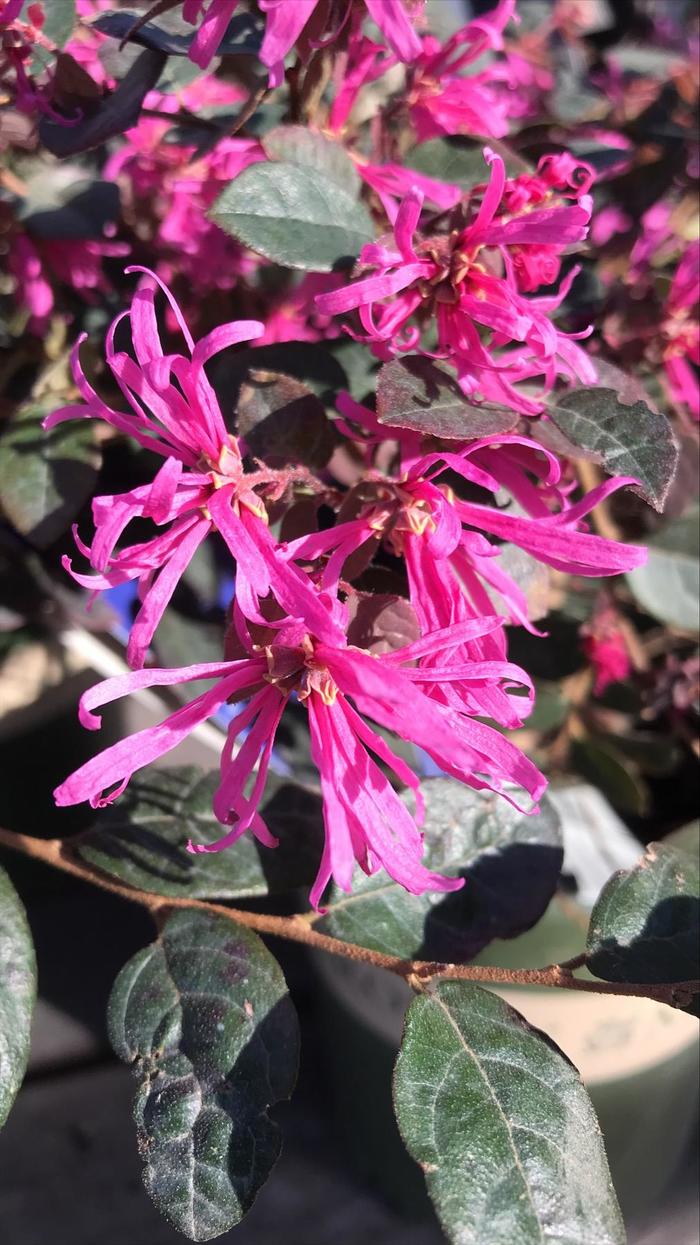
(243, 36)
(296, 144)
(359, 364)
(111, 116)
(645, 926)
(295, 216)
(183, 639)
(413, 392)
(502, 1126)
(599, 762)
(282, 421)
(630, 440)
(511, 863)
(381, 623)
(143, 839)
(45, 477)
(668, 585)
(63, 205)
(17, 993)
(205, 1016)
(307, 361)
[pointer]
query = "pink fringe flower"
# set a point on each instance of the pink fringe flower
(442, 99)
(680, 332)
(215, 16)
(200, 486)
(341, 686)
(451, 561)
(605, 646)
(287, 22)
(454, 279)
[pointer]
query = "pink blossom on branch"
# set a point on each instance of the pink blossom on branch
(340, 685)
(200, 486)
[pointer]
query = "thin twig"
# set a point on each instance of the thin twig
(59, 854)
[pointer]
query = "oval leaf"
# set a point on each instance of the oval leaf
(645, 926)
(142, 840)
(17, 993)
(480, 837)
(413, 392)
(297, 145)
(205, 1015)
(45, 477)
(630, 440)
(668, 585)
(295, 216)
(502, 1126)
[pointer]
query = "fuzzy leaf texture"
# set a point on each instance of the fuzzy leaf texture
(205, 1016)
(298, 217)
(415, 393)
(628, 439)
(143, 839)
(502, 1126)
(17, 993)
(45, 477)
(295, 144)
(645, 926)
(511, 863)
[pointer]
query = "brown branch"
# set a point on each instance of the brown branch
(418, 973)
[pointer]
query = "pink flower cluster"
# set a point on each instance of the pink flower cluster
(291, 612)
(472, 279)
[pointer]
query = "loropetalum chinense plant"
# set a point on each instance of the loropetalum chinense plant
(370, 297)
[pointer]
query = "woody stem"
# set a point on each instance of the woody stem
(59, 854)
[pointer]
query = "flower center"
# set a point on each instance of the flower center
(297, 670)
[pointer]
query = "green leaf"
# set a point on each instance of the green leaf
(45, 477)
(17, 993)
(186, 638)
(205, 1016)
(295, 216)
(111, 116)
(413, 392)
(502, 1126)
(628, 439)
(668, 585)
(480, 837)
(455, 160)
(600, 762)
(645, 926)
(60, 20)
(295, 144)
(143, 839)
